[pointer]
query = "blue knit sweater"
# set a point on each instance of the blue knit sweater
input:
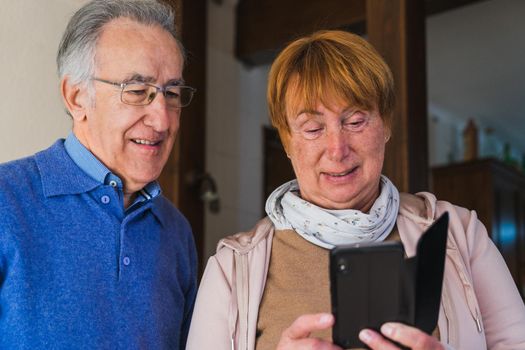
(75, 273)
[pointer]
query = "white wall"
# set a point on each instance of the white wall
(236, 113)
(476, 71)
(31, 112)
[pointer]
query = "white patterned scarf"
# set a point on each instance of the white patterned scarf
(329, 228)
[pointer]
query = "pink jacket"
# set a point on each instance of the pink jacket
(480, 307)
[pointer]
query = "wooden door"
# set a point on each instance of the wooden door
(179, 179)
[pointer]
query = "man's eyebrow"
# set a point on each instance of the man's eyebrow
(149, 79)
(176, 82)
(140, 78)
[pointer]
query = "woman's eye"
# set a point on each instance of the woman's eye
(311, 133)
(355, 124)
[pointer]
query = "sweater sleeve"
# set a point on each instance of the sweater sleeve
(210, 324)
(501, 307)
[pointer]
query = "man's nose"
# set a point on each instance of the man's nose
(337, 145)
(159, 115)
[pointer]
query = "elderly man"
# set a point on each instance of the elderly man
(91, 254)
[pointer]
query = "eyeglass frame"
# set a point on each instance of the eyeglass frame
(162, 89)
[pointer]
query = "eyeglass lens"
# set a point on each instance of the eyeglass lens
(143, 94)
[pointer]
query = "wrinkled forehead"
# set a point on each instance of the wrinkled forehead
(131, 46)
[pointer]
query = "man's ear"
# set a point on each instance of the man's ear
(76, 99)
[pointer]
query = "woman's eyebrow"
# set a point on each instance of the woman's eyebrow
(308, 111)
(315, 112)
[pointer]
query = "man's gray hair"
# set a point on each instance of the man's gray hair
(76, 52)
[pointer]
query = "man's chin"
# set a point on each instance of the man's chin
(136, 183)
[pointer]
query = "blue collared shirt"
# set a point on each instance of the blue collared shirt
(99, 172)
(77, 272)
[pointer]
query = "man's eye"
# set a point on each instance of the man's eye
(137, 92)
(172, 95)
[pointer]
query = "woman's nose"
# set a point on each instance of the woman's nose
(337, 145)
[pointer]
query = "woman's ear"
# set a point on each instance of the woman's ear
(388, 133)
(76, 99)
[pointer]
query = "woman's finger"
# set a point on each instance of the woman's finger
(296, 336)
(376, 341)
(411, 337)
(306, 324)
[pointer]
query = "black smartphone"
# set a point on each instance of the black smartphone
(366, 289)
(373, 284)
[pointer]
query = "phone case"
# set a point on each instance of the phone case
(373, 284)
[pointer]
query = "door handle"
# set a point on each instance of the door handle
(206, 186)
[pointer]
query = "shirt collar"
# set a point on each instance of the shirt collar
(88, 162)
(56, 161)
(59, 173)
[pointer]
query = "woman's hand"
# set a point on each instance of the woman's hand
(410, 337)
(297, 335)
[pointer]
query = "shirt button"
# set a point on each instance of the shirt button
(105, 199)
(113, 183)
(126, 261)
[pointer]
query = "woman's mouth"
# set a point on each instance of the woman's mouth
(340, 176)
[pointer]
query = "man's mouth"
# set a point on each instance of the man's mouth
(341, 174)
(146, 142)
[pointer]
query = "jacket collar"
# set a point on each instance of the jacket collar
(243, 242)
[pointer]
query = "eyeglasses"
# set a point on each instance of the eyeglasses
(137, 93)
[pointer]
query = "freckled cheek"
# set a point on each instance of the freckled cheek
(305, 161)
(375, 156)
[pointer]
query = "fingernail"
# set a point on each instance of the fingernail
(387, 329)
(325, 319)
(365, 336)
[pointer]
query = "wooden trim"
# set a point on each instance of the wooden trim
(264, 27)
(396, 28)
(187, 160)
(434, 7)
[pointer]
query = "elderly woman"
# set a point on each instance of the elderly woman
(331, 98)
